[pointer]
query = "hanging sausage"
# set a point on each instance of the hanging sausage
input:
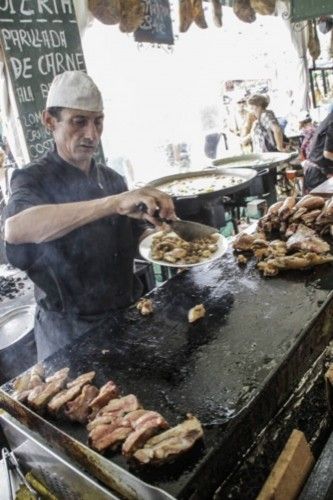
(244, 11)
(217, 12)
(313, 43)
(263, 7)
(198, 14)
(106, 11)
(185, 15)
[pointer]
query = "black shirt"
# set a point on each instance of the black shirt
(323, 141)
(89, 270)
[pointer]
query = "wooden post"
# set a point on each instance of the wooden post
(290, 470)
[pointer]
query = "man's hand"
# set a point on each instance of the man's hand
(127, 204)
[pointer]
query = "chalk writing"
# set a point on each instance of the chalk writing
(40, 39)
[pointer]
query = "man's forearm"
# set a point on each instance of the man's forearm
(48, 222)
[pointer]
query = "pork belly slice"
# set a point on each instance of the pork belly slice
(83, 379)
(106, 418)
(126, 404)
(59, 375)
(131, 417)
(170, 443)
(78, 410)
(145, 427)
(107, 392)
(108, 436)
(28, 381)
(127, 419)
(73, 390)
(42, 394)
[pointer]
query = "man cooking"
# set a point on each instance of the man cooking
(319, 165)
(72, 225)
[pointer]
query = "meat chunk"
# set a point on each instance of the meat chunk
(85, 378)
(107, 392)
(125, 404)
(298, 260)
(196, 313)
(78, 410)
(306, 239)
(73, 390)
(145, 306)
(28, 381)
(310, 202)
(145, 427)
(108, 436)
(127, 419)
(105, 419)
(59, 400)
(241, 260)
(243, 242)
(59, 375)
(286, 209)
(43, 393)
(170, 443)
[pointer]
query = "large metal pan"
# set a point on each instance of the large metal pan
(255, 161)
(247, 175)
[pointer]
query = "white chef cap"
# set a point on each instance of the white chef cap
(76, 90)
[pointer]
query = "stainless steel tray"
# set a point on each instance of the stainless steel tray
(15, 324)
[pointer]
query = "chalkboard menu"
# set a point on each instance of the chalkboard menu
(40, 39)
(157, 26)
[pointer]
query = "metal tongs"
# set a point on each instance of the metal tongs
(11, 464)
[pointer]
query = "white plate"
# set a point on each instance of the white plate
(145, 251)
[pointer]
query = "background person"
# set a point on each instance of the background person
(72, 224)
(319, 165)
(307, 131)
(266, 134)
(240, 124)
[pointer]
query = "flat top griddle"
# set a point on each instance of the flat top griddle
(214, 368)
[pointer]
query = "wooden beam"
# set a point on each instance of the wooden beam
(290, 470)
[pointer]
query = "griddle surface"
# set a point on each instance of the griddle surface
(213, 368)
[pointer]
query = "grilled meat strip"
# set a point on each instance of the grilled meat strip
(145, 427)
(28, 381)
(110, 418)
(73, 390)
(78, 410)
(108, 436)
(126, 404)
(170, 443)
(107, 392)
(42, 394)
(83, 379)
(59, 375)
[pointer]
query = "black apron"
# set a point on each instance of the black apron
(54, 330)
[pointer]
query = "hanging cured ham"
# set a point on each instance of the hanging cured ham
(106, 11)
(244, 11)
(263, 7)
(131, 15)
